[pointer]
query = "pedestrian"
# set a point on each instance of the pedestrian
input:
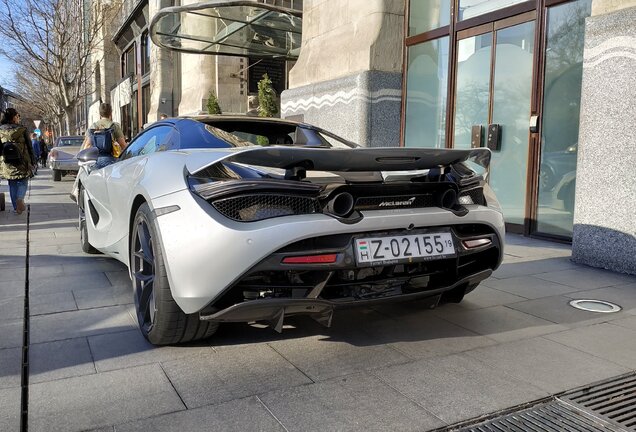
(106, 123)
(37, 151)
(17, 160)
(44, 148)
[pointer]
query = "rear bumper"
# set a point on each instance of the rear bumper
(64, 165)
(275, 309)
(207, 254)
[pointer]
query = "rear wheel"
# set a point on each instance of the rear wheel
(160, 319)
(57, 175)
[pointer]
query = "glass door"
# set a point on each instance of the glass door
(492, 104)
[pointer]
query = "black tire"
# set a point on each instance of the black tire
(160, 319)
(56, 175)
(86, 246)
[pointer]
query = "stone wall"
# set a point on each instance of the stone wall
(605, 210)
(348, 78)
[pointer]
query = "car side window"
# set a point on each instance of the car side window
(148, 142)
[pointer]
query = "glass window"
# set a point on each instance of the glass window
(149, 141)
(428, 15)
(128, 64)
(426, 87)
(561, 108)
(145, 53)
(473, 8)
(145, 100)
(473, 87)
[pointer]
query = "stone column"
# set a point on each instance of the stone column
(161, 72)
(348, 78)
(605, 209)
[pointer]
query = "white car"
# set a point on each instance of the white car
(245, 219)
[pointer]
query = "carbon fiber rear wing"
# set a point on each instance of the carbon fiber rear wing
(343, 160)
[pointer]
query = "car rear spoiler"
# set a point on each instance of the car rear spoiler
(344, 160)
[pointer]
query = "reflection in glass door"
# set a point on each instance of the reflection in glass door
(493, 86)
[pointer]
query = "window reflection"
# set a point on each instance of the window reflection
(561, 107)
(426, 86)
(428, 15)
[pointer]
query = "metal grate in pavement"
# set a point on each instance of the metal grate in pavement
(549, 417)
(613, 399)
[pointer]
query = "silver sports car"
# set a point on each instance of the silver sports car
(240, 219)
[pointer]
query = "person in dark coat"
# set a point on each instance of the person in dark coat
(17, 173)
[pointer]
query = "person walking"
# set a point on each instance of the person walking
(44, 148)
(37, 151)
(106, 122)
(17, 159)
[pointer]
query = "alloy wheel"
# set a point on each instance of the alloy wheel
(144, 276)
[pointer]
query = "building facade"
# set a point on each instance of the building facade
(511, 75)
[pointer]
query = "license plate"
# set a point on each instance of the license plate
(404, 248)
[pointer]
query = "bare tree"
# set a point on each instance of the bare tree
(51, 43)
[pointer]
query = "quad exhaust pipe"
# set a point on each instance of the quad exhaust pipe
(341, 204)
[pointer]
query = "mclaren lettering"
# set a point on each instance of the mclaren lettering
(407, 202)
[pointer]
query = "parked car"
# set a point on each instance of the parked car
(240, 219)
(61, 158)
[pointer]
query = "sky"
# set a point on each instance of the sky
(6, 75)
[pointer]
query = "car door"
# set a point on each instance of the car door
(109, 189)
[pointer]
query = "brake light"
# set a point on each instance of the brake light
(311, 259)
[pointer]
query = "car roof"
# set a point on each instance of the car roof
(70, 136)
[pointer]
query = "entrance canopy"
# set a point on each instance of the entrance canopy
(235, 28)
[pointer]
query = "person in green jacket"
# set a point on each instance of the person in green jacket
(17, 173)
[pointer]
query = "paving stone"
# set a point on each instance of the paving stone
(558, 310)
(104, 399)
(106, 296)
(68, 283)
(12, 289)
(528, 287)
(607, 341)
(62, 359)
(247, 414)
(458, 387)
(10, 367)
(81, 323)
(126, 349)
(425, 335)
(502, 323)
(11, 334)
(11, 309)
(522, 267)
(483, 297)
(42, 304)
(322, 358)
(585, 278)
(231, 374)
(357, 402)
(548, 365)
(10, 409)
(629, 322)
(119, 278)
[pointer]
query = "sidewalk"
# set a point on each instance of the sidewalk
(513, 340)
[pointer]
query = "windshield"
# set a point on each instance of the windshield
(241, 133)
(68, 142)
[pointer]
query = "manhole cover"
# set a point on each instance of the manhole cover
(595, 306)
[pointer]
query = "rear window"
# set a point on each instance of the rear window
(68, 142)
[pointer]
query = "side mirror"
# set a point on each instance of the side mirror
(88, 155)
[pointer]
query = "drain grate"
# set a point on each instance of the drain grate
(550, 417)
(614, 399)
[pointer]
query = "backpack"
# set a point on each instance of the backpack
(12, 154)
(102, 139)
